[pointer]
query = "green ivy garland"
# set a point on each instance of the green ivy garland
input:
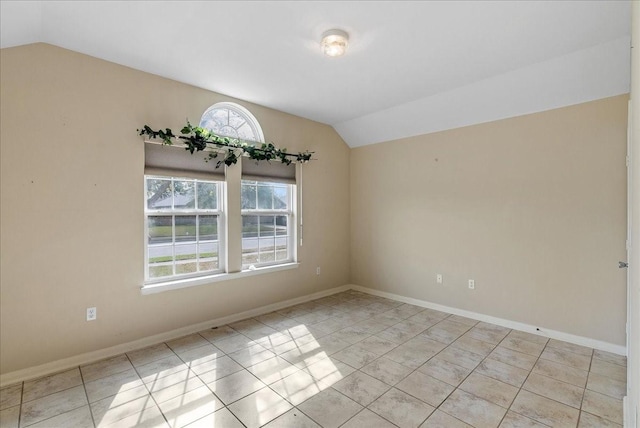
(196, 139)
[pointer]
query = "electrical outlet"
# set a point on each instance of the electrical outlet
(472, 284)
(92, 314)
(439, 278)
(318, 270)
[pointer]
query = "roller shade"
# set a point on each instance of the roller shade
(160, 159)
(274, 171)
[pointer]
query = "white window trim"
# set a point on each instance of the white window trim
(290, 213)
(204, 280)
(294, 214)
(222, 239)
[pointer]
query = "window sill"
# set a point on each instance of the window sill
(202, 280)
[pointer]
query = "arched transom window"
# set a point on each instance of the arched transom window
(232, 120)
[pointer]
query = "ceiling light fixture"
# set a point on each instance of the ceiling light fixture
(334, 42)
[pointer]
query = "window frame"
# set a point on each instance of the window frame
(219, 212)
(245, 114)
(230, 216)
(289, 212)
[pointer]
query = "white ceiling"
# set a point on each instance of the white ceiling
(411, 68)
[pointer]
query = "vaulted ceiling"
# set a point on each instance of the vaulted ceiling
(411, 67)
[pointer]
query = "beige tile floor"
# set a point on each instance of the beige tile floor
(347, 360)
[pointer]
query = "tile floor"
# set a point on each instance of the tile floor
(347, 360)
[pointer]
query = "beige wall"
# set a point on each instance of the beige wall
(532, 208)
(72, 207)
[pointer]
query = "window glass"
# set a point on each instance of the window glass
(232, 120)
(159, 194)
(265, 196)
(280, 197)
(248, 197)
(207, 195)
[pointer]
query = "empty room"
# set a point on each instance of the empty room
(319, 214)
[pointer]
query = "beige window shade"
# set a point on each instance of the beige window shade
(175, 161)
(274, 171)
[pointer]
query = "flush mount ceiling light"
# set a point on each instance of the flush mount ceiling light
(334, 42)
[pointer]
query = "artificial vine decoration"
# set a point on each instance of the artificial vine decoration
(197, 139)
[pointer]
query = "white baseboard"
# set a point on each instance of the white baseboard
(553, 334)
(630, 413)
(90, 357)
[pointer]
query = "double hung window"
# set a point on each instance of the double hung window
(183, 220)
(267, 218)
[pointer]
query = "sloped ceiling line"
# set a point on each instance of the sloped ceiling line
(411, 68)
(586, 75)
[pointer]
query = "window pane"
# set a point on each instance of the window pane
(249, 259)
(281, 225)
(267, 250)
(158, 194)
(267, 225)
(157, 252)
(249, 226)
(160, 229)
(160, 254)
(246, 133)
(205, 266)
(186, 228)
(235, 119)
(160, 260)
(280, 198)
(184, 194)
(248, 196)
(208, 227)
(207, 196)
(186, 267)
(186, 251)
(215, 120)
(156, 271)
(249, 251)
(228, 131)
(208, 265)
(265, 197)
(208, 256)
(282, 255)
(267, 244)
(281, 243)
(207, 249)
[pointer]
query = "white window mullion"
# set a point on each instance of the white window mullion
(275, 236)
(197, 239)
(173, 228)
(197, 207)
(173, 242)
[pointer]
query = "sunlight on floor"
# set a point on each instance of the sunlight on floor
(347, 360)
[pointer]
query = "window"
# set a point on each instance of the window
(183, 220)
(267, 223)
(232, 120)
(187, 216)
